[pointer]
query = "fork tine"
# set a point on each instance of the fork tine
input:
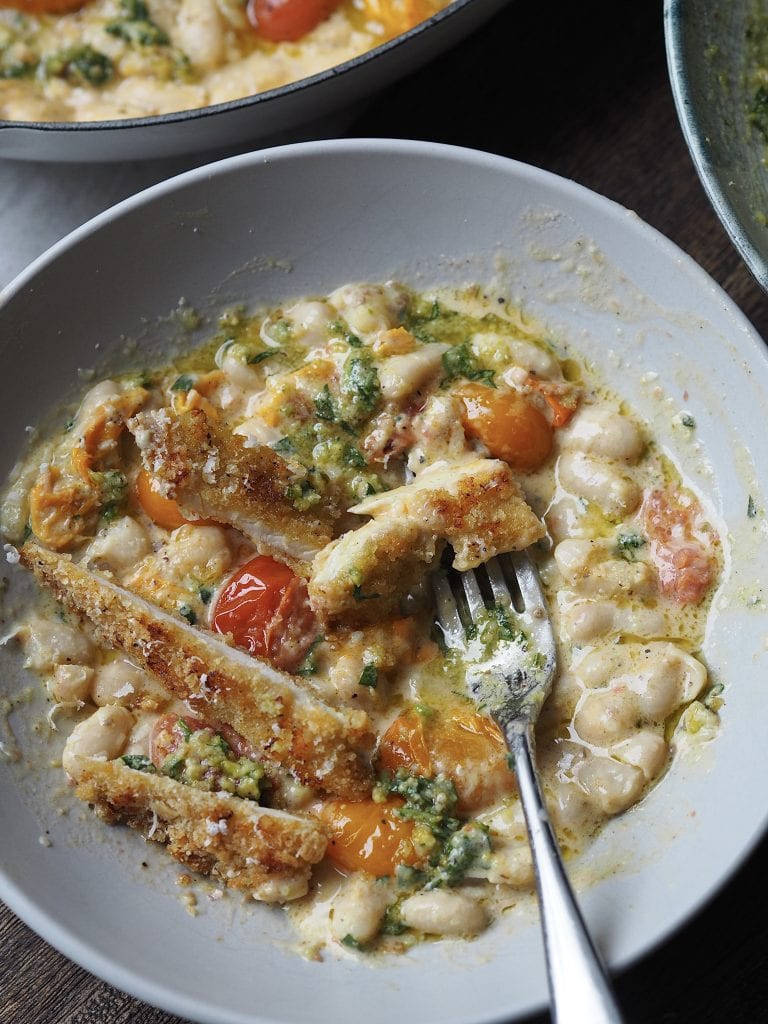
(447, 611)
(499, 586)
(473, 593)
(527, 579)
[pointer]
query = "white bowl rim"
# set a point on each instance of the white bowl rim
(46, 926)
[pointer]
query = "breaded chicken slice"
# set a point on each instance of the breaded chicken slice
(286, 723)
(476, 506)
(267, 853)
(210, 473)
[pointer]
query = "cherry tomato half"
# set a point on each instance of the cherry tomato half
(288, 20)
(465, 746)
(161, 510)
(248, 602)
(510, 426)
(367, 836)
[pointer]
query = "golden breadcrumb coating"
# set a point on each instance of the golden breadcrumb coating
(476, 506)
(265, 852)
(211, 475)
(278, 714)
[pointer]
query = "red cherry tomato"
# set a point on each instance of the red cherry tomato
(248, 603)
(288, 20)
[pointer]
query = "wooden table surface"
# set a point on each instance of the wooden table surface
(582, 90)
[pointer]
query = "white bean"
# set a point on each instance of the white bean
(120, 547)
(585, 621)
(310, 322)
(511, 864)
(359, 907)
(200, 552)
(444, 912)
(122, 682)
(645, 750)
(369, 307)
(103, 735)
(604, 433)
(509, 354)
(200, 33)
(611, 785)
(599, 482)
(48, 643)
(71, 683)
(402, 376)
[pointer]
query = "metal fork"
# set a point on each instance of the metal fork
(512, 685)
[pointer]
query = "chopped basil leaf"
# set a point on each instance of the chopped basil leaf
(308, 667)
(284, 446)
(183, 383)
(186, 611)
(324, 406)
(259, 357)
(79, 65)
(139, 763)
(460, 361)
(627, 545)
(751, 507)
(369, 676)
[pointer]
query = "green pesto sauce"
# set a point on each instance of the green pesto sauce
(205, 761)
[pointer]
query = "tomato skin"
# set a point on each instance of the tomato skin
(161, 510)
(460, 743)
(508, 424)
(248, 603)
(367, 836)
(286, 21)
(684, 558)
(167, 736)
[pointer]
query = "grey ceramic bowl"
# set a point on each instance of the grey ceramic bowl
(661, 333)
(707, 57)
(315, 107)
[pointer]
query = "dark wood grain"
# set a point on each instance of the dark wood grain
(582, 90)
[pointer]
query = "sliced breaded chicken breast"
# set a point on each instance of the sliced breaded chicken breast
(282, 718)
(267, 853)
(210, 473)
(474, 505)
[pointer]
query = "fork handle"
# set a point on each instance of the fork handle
(579, 986)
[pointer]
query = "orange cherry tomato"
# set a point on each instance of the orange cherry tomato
(510, 426)
(248, 603)
(288, 20)
(459, 743)
(161, 510)
(366, 836)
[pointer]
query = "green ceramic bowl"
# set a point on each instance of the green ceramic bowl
(709, 63)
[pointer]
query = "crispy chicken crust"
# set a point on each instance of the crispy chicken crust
(212, 475)
(267, 853)
(277, 713)
(476, 506)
